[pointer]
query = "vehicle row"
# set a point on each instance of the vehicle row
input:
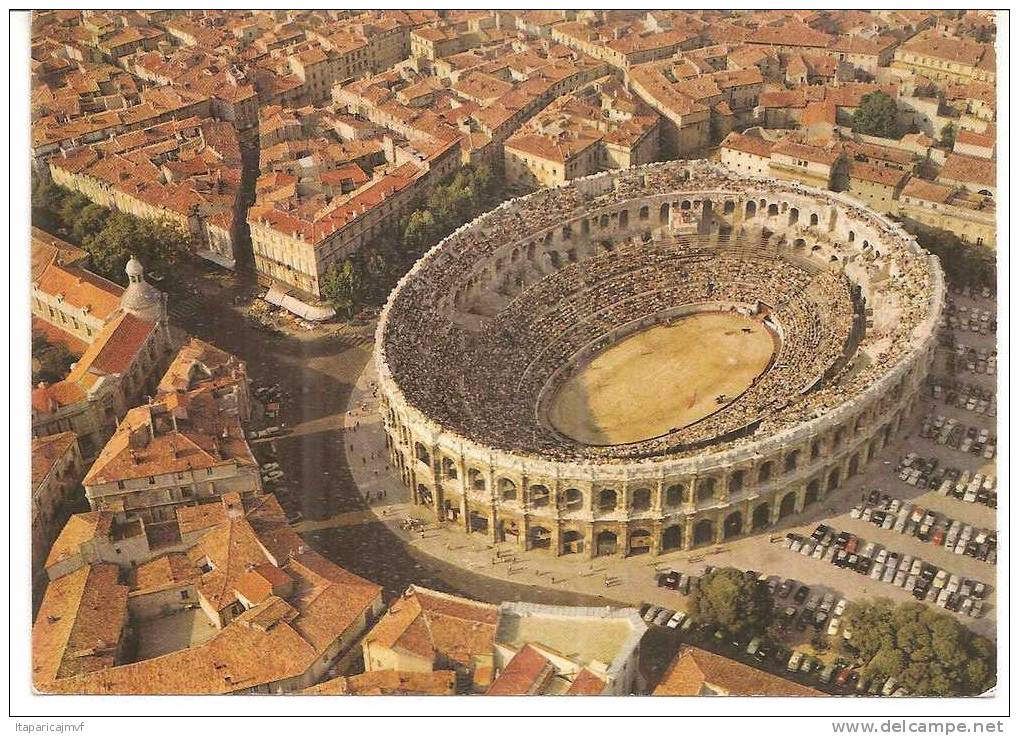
(966, 396)
(968, 319)
(927, 525)
(981, 361)
(966, 438)
(971, 292)
(925, 581)
(948, 481)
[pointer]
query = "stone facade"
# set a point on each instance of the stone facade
(686, 499)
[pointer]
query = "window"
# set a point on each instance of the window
(183, 595)
(152, 480)
(120, 485)
(208, 471)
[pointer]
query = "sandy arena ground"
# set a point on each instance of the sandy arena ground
(664, 378)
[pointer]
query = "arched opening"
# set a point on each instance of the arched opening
(448, 469)
(733, 525)
(852, 236)
(573, 542)
(640, 541)
(539, 538)
(833, 480)
(705, 489)
(539, 496)
(815, 450)
(788, 505)
(761, 517)
(663, 213)
(607, 500)
(736, 481)
(603, 221)
(476, 479)
(509, 529)
(606, 544)
(424, 494)
(794, 215)
(751, 209)
(624, 219)
(791, 461)
(854, 465)
(729, 207)
(478, 523)
(772, 210)
(567, 232)
(644, 213)
(813, 220)
(764, 474)
(641, 499)
(585, 227)
(422, 454)
(704, 532)
(813, 490)
(685, 204)
(672, 538)
(573, 500)
(507, 489)
(674, 495)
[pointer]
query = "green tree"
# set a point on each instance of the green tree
(51, 361)
(948, 136)
(47, 198)
(929, 652)
(419, 232)
(89, 222)
(965, 264)
(727, 599)
(344, 287)
(876, 115)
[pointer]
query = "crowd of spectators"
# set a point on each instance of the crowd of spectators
(485, 382)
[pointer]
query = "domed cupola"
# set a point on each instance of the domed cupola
(140, 298)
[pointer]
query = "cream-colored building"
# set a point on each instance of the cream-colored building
(876, 186)
(120, 366)
(947, 58)
(970, 216)
(184, 448)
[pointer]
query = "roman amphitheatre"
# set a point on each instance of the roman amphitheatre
(653, 359)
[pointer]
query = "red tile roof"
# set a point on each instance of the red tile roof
(526, 674)
(695, 671)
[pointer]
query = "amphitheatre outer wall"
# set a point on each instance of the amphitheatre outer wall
(687, 498)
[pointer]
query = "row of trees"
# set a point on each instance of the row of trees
(367, 277)
(965, 264)
(108, 236)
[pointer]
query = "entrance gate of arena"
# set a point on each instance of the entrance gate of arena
(606, 544)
